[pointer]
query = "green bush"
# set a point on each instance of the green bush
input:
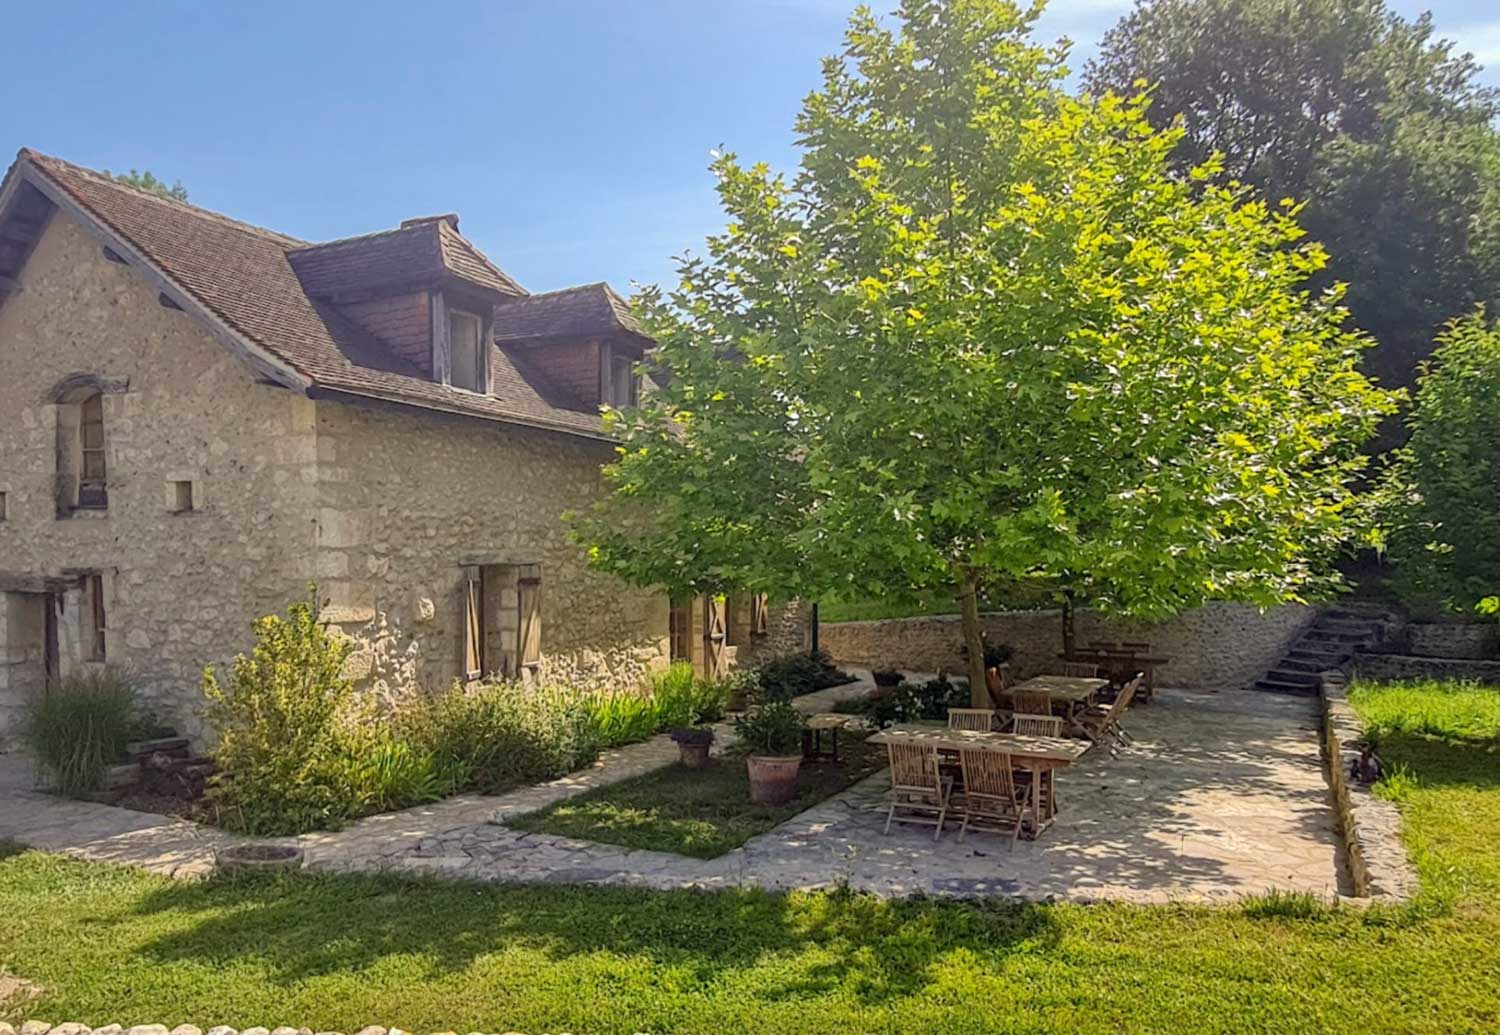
(913, 702)
(622, 716)
(683, 699)
(283, 751)
(502, 735)
(80, 725)
(793, 675)
(774, 728)
(1445, 538)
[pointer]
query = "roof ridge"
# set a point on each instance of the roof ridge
(38, 158)
(355, 238)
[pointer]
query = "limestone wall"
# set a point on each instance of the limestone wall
(406, 499)
(1216, 646)
(1476, 641)
(180, 588)
(1389, 667)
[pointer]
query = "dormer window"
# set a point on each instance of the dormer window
(469, 369)
(622, 382)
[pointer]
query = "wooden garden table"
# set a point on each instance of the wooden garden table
(1073, 693)
(1040, 756)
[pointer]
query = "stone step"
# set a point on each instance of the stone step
(1336, 636)
(173, 747)
(1293, 676)
(1319, 651)
(1317, 664)
(1273, 686)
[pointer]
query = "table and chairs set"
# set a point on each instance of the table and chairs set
(994, 768)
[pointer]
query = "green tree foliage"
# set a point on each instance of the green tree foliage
(148, 182)
(1380, 127)
(984, 337)
(1446, 538)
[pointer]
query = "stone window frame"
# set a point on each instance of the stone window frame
(76, 398)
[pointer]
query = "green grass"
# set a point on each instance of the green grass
(1457, 711)
(116, 945)
(698, 812)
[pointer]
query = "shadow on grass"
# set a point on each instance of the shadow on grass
(309, 926)
(1442, 762)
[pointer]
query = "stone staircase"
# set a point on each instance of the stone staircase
(1327, 643)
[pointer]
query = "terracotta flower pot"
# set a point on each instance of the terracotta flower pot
(773, 778)
(693, 756)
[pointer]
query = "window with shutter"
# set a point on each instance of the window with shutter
(92, 618)
(759, 619)
(91, 490)
(529, 631)
(473, 622)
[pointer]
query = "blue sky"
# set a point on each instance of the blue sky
(571, 136)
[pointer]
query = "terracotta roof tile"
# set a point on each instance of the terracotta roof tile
(578, 312)
(248, 277)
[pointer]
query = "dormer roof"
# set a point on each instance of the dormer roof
(272, 298)
(586, 311)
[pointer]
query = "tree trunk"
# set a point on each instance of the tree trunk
(1069, 633)
(968, 606)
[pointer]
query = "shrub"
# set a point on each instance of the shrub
(1446, 528)
(621, 716)
(283, 766)
(683, 699)
(383, 771)
(912, 702)
(793, 675)
(502, 734)
(774, 728)
(80, 725)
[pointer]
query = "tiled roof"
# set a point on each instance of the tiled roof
(577, 312)
(247, 277)
(421, 252)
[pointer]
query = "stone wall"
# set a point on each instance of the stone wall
(407, 499)
(1369, 827)
(180, 589)
(1218, 645)
(1473, 640)
(1387, 667)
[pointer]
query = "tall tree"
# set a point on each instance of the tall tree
(1378, 125)
(985, 337)
(148, 182)
(1446, 524)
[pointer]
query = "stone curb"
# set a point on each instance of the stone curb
(1369, 827)
(42, 1028)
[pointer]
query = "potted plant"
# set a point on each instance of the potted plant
(772, 734)
(693, 743)
(886, 678)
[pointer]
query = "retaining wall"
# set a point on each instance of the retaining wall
(1218, 645)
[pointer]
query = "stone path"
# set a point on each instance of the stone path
(1222, 795)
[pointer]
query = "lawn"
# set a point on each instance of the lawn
(115, 945)
(698, 812)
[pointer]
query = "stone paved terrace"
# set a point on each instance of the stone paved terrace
(1222, 795)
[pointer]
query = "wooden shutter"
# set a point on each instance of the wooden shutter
(759, 617)
(714, 664)
(529, 598)
(94, 617)
(473, 606)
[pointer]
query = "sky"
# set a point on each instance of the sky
(572, 137)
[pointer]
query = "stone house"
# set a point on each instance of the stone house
(198, 417)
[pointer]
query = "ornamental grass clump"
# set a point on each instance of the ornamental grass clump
(78, 726)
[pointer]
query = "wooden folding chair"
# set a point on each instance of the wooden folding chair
(1037, 726)
(981, 719)
(917, 787)
(1080, 669)
(991, 795)
(1105, 722)
(1026, 702)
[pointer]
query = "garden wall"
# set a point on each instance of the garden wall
(1479, 641)
(1369, 828)
(1215, 646)
(1387, 667)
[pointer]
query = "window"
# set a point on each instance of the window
(622, 381)
(2, 506)
(92, 619)
(680, 630)
(91, 490)
(529, 618)
(473, 621)
(182, 497)
(467, 355)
